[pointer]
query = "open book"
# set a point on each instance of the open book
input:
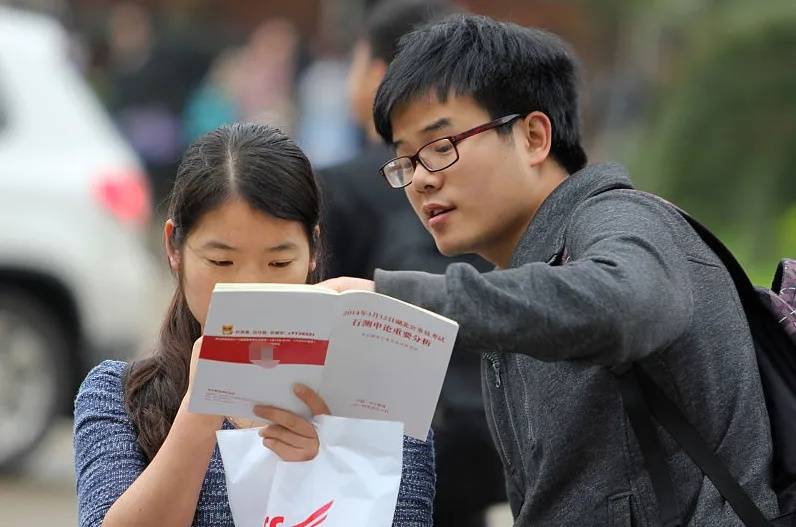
(368, 355)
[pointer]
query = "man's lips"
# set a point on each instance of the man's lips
(434, 209)
(436, 214)
(438, 219)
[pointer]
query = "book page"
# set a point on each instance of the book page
(387, 360)
(259, 340)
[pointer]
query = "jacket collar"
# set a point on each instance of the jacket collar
(544, 239)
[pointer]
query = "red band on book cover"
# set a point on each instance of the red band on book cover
(248, 350)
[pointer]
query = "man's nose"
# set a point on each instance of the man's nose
(425, 181)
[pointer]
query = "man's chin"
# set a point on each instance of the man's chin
(449, 249)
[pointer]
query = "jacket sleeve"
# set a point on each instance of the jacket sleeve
(624, 294)
(418, 481)
(107, 457)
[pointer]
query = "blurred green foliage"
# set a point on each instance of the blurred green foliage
(721, 137)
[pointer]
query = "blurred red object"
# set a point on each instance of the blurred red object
(125, 193)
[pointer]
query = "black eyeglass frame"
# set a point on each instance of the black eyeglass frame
(454, 140)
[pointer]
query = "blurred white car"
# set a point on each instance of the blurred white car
(76, 279)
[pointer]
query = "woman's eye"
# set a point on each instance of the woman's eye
(220, 263)
(280, 265)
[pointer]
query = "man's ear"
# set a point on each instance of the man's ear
(172, 252)
(537, 136)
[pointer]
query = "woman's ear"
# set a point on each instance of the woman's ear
(172, 252)
(316, 236)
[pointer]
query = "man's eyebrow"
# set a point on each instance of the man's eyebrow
(433, 127)
(436, 125)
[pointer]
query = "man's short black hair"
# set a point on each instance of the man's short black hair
(506, 68)
(389, 20)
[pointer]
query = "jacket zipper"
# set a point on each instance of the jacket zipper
(495, 367)
(491, 357)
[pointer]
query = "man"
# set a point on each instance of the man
(370, 225)
(590, 276)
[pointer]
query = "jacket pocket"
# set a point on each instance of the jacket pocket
(620, 510)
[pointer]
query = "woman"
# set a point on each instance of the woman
(245, 208)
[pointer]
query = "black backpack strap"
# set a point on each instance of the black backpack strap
(654, 457)
(669, 416)
(673, 421)
(641, 396)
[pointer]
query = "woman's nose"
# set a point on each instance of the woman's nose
(251, 274)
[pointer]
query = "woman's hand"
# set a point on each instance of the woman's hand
(212, 422)
(291, 437)
(197, 347)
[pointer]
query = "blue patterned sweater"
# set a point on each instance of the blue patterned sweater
(108, 460)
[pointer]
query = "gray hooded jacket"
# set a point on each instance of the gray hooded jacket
(639, 286)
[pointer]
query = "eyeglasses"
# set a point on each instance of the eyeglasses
(436, 155)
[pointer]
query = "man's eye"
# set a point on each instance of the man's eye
(220, 263)
(280, 265)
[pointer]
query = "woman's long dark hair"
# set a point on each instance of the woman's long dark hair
(253, 162)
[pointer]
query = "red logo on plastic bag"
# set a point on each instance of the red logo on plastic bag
(313, 520)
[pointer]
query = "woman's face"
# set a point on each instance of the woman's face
(236, 243)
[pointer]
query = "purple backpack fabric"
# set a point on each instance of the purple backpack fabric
(781, 298)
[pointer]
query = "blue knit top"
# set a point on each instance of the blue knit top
(108, 460)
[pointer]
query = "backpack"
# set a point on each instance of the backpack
(771, 314)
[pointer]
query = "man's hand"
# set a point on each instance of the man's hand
(346, 283)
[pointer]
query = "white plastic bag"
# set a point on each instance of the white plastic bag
(352, 482)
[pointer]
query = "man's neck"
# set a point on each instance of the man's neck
(500, 253)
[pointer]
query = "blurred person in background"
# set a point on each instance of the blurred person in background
(252, 83)
(370, 225)
(141, 458)
(269, 68)
(325, 128)
(216, 101)
(149, 79)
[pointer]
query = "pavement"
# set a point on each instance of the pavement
(42, 493)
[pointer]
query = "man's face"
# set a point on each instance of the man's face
(484, 202)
